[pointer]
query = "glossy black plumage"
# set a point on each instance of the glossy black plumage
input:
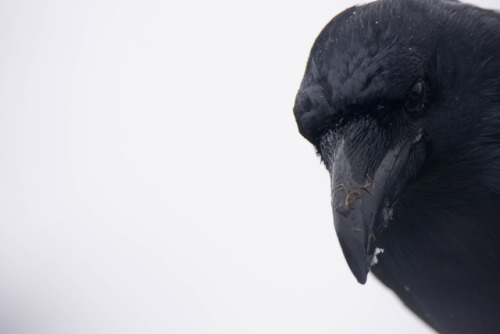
(401, 99)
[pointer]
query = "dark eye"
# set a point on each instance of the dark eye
(416, 97)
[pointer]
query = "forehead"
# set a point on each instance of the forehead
(367, 52)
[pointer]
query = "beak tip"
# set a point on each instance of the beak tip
(354, 247)
(361, 273)
(362, 278)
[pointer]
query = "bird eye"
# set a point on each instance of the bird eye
(416, 97)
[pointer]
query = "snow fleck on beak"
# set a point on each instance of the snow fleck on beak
(374, 257)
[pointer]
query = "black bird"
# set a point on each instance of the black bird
(401, 99)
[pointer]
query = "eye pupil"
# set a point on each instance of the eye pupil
(417, 88)
(415, 99)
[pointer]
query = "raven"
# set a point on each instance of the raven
(401, 99)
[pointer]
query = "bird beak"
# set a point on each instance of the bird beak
(362, 203)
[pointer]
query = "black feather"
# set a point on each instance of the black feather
(442, 245)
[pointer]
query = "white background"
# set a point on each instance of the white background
(152, 179)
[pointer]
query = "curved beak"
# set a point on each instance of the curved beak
(362, 204)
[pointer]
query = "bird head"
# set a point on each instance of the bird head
(391, 89)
